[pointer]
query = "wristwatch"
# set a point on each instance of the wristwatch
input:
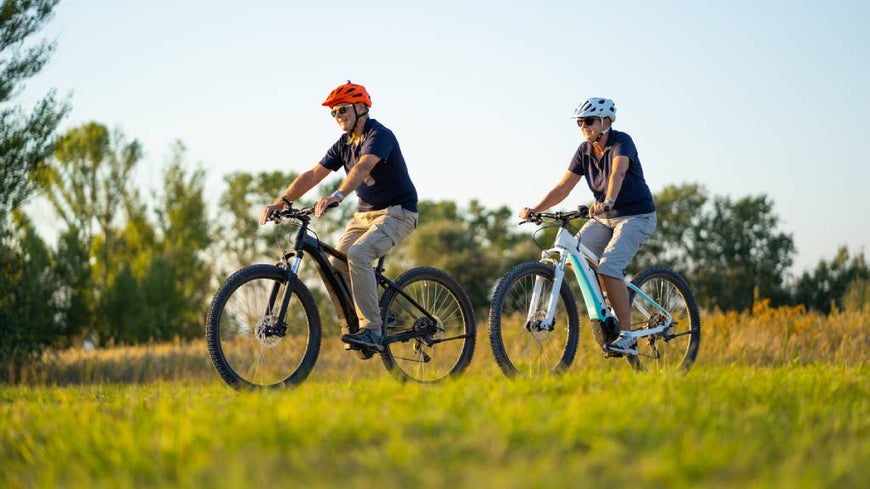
(338, 195)
(608, 204)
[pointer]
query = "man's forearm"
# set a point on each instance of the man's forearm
(297, 188)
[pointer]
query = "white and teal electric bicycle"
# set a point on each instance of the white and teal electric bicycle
(534, 322)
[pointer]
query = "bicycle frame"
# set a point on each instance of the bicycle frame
(337, 287)
(568, 247)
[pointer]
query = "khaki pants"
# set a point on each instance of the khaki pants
(367, 237)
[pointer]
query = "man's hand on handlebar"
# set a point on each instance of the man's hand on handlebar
(269, 211)
(324, 204)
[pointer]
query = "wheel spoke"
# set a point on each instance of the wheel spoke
(448, 344)
(247, 345)
(676, 347)
(520, 348)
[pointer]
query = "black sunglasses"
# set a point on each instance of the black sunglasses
(588, 121)
(339, 110)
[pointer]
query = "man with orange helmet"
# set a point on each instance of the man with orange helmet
(387, 209)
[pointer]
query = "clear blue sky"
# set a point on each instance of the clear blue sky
(743, 97)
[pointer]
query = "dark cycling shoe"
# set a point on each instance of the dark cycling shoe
(362, 352)
(366, 337)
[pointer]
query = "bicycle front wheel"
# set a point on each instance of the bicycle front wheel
(520, 343)
(427, 301)
(677, 346)
(248, 345)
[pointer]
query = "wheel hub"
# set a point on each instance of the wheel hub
(269, 333)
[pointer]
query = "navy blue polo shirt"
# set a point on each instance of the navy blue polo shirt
(634, 196)
(388, 182)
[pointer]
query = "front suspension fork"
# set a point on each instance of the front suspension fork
(553, 300)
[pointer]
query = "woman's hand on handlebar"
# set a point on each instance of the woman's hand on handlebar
(524, 213)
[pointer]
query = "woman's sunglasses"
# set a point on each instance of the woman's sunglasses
(586, 121)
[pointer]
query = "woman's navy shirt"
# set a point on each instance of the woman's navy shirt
(634, 197)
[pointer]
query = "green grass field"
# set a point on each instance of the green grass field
(786, 415)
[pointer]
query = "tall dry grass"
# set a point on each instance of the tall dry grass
(770, 336)
(765, 336)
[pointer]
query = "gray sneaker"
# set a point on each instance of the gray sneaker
(366, 337)
(625, 344)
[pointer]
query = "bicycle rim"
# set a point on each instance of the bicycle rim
(519, 347)
(245, 351)
(677, 347)
(448, 351)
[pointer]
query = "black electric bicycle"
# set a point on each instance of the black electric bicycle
(263, 327)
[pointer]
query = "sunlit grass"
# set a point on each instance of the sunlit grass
(764, 337)
(778, 398)
(728, 426)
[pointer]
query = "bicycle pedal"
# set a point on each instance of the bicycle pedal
(364, 353)
(360, 351)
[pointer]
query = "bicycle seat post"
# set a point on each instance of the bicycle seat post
(379, 268)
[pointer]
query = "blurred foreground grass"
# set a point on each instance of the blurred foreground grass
(720, 426)
(778, 398)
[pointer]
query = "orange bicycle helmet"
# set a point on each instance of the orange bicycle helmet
(349, 93)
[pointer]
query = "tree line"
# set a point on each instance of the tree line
(129, 267)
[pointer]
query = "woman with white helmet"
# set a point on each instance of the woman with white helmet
(624, 213)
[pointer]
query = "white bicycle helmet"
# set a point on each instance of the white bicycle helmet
(596, 107)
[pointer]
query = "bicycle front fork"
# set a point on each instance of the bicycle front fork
(533, 321)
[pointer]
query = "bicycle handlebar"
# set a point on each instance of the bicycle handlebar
(292, 213)
(582, 212)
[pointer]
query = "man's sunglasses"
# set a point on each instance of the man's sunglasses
(586, 121)
(340, 110)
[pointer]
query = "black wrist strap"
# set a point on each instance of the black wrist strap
(289, 204)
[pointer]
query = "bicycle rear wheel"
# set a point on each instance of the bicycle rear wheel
(447, 347)
(677, 347)
(520, 345)
(247, 346)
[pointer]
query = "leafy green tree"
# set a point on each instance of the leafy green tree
(236, 223)
(123, 308)
(496, 228)
(71, 265)
(167, 311)
(186, 234)
(243, 241)
(89, 185)
(26, 139)
(679, 209)
(449, 246)
(31, 296)
(738, 254)
(475, 245)
(442, 210)
(30, 300)
(827, 285)
(163, 281)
